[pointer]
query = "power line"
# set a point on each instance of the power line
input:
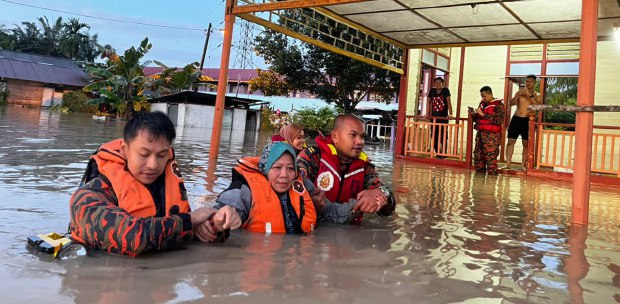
(106, 19)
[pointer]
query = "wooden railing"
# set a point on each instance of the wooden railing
(556, 148)
(420, 138)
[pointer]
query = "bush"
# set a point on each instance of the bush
(314, 121)
(272, 121)
(562, 117)
(4, 94)
(76, 101)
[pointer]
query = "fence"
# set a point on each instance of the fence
(452, 141)
(556, 148)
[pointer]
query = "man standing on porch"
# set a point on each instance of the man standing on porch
(439, 105)
(519, 124)
(489, 117)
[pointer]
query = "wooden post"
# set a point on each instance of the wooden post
(402, 107)
(218, 116)
(584, 124)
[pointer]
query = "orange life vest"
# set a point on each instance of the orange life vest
(132, 195)
(266, 209)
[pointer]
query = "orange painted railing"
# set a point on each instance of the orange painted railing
(419, 137)
(556, 148)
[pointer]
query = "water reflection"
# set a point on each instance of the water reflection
(457, 236)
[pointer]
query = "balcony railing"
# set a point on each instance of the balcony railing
(556, 148)
(552, 148)
(452, 137)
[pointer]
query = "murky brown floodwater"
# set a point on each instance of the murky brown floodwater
(457, 237)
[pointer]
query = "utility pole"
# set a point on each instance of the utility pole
(204, 53)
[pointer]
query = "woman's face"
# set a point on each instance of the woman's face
(282, 173)
(299, 141)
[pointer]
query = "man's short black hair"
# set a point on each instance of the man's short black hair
(157, 124)
(439, 78)
(486, 89)
(531, 76)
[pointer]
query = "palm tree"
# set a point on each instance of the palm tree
(25, 39)
(76, 43)
(50, 38)
(68, 40)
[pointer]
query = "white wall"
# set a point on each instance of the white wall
(197, 116)
(239, 116)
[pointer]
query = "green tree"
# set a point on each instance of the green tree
(269, 83)
(332, 77)
(561, 91)
(315, 121)
(173, 80)
(121, 82)
(69, 39)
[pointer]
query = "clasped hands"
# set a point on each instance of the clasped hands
(210, 224)
(368, 201)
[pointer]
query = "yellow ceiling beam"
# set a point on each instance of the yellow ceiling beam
(318, 43)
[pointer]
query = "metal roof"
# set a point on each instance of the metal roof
(203, 98)
(39, 68)
(440, 23)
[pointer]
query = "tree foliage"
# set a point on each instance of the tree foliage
(121, 82)
(122, 86)
(269, 83)
(332, 77)
(70, 39)
(173, 80)
(316, 120)
(561, 91)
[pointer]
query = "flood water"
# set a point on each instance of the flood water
(457, 237)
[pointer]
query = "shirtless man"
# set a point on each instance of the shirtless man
(519, 124)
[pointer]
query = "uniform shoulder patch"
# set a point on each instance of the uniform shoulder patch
(298, 187)
(175, 169)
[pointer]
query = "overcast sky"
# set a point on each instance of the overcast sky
(172, 46)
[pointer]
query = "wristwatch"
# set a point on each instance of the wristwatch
(385, 191)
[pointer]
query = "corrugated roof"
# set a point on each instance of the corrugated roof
(41, 68)
(203, 98)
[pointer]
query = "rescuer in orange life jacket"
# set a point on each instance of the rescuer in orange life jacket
(268, 194)
(132, 198)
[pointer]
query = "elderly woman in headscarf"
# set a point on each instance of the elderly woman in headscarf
(268, 194)
(293, 134)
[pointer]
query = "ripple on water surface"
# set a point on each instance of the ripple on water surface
(456, 237)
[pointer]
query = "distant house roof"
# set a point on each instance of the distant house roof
(203, 98)
(234, 75)
(39, 68)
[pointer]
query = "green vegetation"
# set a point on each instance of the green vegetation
(332, 77)
(4, 94)
(69, 39)
(76, 102)
(314, 121)
(122, 87)
(265, 120)
(561, 91)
